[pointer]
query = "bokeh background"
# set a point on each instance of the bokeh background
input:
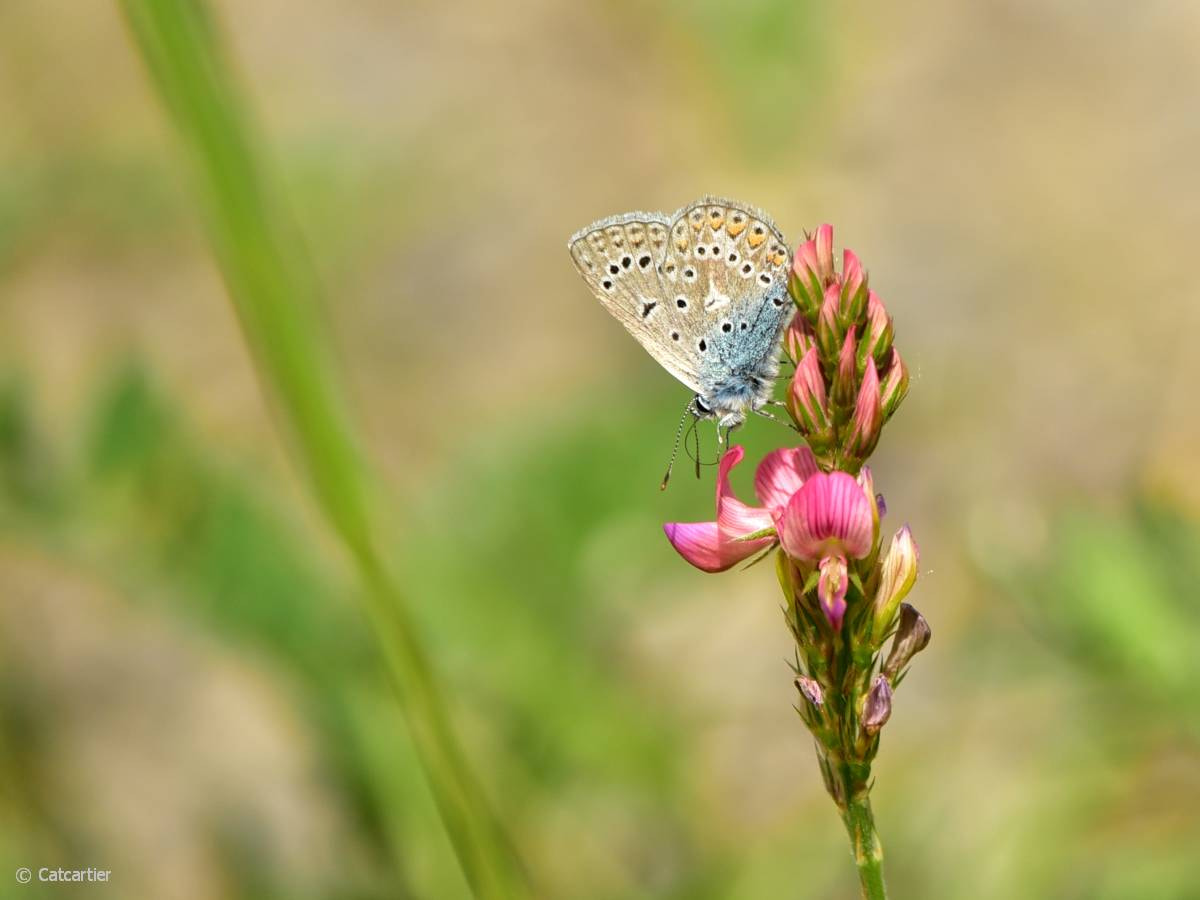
(188, 693)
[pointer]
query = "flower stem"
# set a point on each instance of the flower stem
(278, 302)
(864, 841)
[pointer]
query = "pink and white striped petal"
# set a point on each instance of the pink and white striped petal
(829, 516)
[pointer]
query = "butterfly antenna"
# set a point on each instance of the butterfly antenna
(678, 438)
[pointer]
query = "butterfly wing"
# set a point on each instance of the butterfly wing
(620, 259)
(729, 263)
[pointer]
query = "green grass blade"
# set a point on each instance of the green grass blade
(277, 300)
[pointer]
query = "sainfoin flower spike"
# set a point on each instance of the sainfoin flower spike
(818, 512)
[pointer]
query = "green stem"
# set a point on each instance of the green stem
(279, 304)
(868, 852)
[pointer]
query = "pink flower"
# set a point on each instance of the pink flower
(716, 546)
(830, 515)
(818, 517)
(829, 520)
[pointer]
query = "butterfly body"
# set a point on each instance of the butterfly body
(704, 291)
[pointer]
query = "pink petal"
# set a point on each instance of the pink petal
(713, 546)
(781, 474)
(830, 515)
(735, 518)
(699, 544)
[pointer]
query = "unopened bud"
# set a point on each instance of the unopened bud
(878, 707)
(876, 342)
(912, 636)
(812, 270)
(823, 242)
(895, 385)
(799, 338)
(845, 378)
(811, 689)
(897, 576)
(868, 416)
(806, 396)
(853, 297)
(829, 330)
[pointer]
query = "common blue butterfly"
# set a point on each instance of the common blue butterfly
(703, 290)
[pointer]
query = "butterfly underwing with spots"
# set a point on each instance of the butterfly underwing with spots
(703, 290)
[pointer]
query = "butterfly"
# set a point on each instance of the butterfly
(704, 291)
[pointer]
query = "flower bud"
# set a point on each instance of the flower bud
(898, 573)
(912, 635)
(845, 378)
(877, 337)
(812, 270)
(799, 338)
(829, 330)
(806, 396)
(811, 689)
(868, 416)
(853, 297)
(878, 707)
(895, 385)
(823, 242)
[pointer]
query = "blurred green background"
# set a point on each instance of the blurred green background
(189, 695)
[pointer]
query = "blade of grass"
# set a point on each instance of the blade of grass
(276, 297)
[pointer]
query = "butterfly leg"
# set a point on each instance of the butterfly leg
(774, 418)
